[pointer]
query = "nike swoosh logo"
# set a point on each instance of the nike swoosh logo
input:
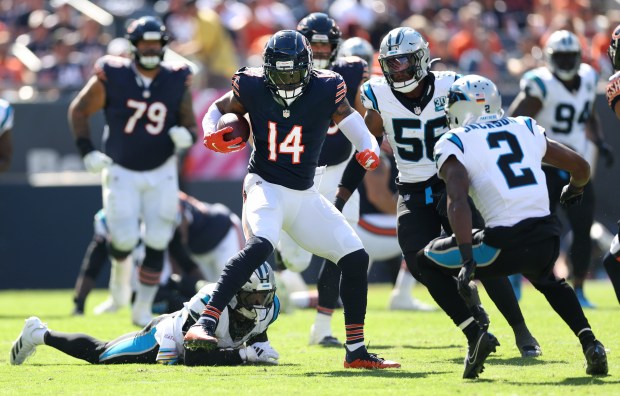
(475, 351)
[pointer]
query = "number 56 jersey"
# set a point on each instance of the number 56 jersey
(503, 159)
(412, 126)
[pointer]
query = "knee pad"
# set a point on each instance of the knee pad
(160, 238)
(120, 252)
(354, 263)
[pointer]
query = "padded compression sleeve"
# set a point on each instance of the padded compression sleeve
(209, 122)
(357, 132)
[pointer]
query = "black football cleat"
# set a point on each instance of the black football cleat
(478, 352)
(529, 347)
(596, 359)
(199, 337)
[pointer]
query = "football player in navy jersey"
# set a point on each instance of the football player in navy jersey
(408, 103)
(291, 106)
(148, 111)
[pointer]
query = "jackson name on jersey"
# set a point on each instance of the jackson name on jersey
(412, 128)
(564, 113)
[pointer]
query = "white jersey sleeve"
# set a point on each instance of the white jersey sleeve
(532, 85)
(6, 116)
(449, 145)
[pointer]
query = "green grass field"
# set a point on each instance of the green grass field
(429, 347)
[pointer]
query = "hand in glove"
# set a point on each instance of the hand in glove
(215, 141)
(259, 352)
(466, 275)
(368, 159)
(571, 195)
(181, 137)
(95, 161)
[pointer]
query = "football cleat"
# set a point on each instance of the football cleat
(360, 358)
(408, 303)
(323, 338)
(478, 352)
(596, 359)
(529, 347)
(583, 301)
(197, 337)
(108, 306)
(25, 345)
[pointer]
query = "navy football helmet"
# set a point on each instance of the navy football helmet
(287, 62)
(147, 28)
(320, 28)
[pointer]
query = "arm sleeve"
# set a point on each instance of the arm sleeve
(533, 86)
(354, 128)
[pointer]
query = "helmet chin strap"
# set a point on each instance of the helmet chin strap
(149, 62)
(320, 63)
(408, 86)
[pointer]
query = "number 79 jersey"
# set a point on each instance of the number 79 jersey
(503, 159)
(412, 129)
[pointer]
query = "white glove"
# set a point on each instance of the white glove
(181, 137)
(259, 352)
(95, 161)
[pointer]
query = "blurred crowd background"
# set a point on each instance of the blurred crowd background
(47, 48)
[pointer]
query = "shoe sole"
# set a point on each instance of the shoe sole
(207, 345)
(359, 364)
(473, 371)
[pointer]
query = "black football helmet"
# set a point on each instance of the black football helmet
(612, 51)
(320, 28)
(287, 62)
(147, 28)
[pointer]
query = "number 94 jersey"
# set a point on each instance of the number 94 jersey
(564, 113)
(503, 159)
(412, 127)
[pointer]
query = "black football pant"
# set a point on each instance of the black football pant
(580, 218)
(438, 269)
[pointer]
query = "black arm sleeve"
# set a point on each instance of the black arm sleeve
(354, 172)
(95, 257)
(178, 251)
(217, 357)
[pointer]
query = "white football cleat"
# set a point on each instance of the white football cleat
(108, 306)
(25, 345)
(323, 338)
(408, 303)
(141, 314)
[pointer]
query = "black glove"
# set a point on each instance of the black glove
(466, 274)
(571, 195)
(607, 152)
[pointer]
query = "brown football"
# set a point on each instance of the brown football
(239, 124)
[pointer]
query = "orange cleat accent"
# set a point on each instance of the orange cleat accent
(197, 338)
(360, 358)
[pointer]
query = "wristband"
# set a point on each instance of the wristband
(84, 145)
(466, 252)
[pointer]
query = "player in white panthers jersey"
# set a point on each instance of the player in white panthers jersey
(242, 332)
(6, 125)
(560, 96)
(408, 103)
(498, 161)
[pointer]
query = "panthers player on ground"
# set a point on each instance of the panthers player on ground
(6, 125)
(148, 111)
(291, 106)
(206, 236)
(612, 258)
(560, 96)
(241, 332)
(324, 36)
(409, 104)
(498, 161)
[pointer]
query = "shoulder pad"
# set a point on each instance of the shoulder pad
(533, 84)
(369, 99)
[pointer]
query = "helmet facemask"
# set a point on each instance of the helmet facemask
(404, 72)
(147, 29)
(256, 294)
(563, 54)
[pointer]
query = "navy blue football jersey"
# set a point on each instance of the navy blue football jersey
(366, 207)
(207, 224)
(138, 118)
(288, 139)
(337, 147)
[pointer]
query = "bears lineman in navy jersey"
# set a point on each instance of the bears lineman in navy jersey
(148, 110)
(291, 106)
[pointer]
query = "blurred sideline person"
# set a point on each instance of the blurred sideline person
(6, 125)
(408, 103)
(611, 261)
(498, 161)
(285, 97)
(324, 37)
(242, 333)
(149, 116)
(560, 96)
(206, 236)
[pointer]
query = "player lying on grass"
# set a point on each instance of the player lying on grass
(241, 333)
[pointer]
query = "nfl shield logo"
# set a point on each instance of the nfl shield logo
(417, 110)
(286, 113)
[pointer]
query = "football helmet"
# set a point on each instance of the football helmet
(404, 58)
(147, 28)
(473, 99)
(287, 63)
(563, 54)
(257, 293)
(614, 56)
(356, 46)
(320, 28)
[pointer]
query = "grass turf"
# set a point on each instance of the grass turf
(429, 347)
